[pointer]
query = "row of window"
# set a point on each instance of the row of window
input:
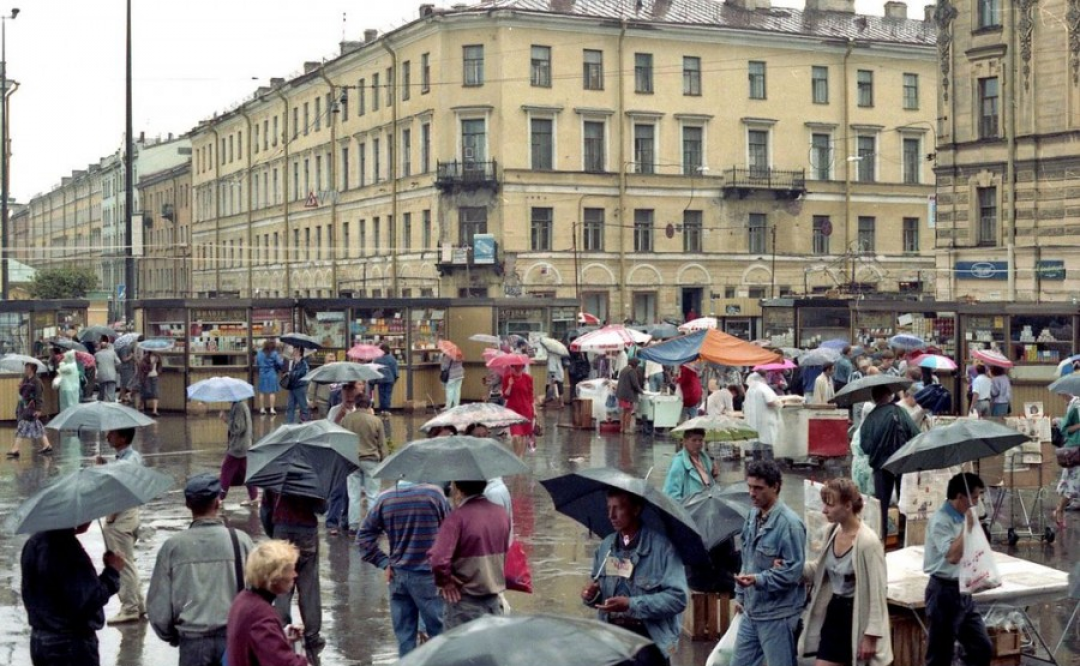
(542, 222)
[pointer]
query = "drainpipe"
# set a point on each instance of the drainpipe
(285, 180)
(217, 211)
(250, 202)
(847, 159)
(622, 176)
(1010, 164)
(333, 182)
(392, 146)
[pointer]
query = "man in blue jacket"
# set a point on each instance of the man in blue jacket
(769, 592)
(390, 374)
(639, 582)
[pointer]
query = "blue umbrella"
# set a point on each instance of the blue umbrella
(157, 344)
(126, 340)
(1069, 385)
(220, 389)
(906, 341)
(837, 343)
(819, 356)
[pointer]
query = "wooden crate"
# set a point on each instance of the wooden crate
(707, 616)
(1004, 643)
(908, 639)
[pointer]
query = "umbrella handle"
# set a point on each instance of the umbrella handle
(601, 571)
(104, 539)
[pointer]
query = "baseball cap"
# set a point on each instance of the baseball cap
(202, 487)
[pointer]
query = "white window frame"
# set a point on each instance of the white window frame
(473, 113)
(596, 116)
(758, 125)
(918, 135)
(552, 114)
(648, 118)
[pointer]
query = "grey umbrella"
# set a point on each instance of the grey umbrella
(86, 495)
(300, 340)
(17, 362)
(454, 458)
(719, 511)
(663, 331)
(486, 413)
(95, 333)
(99, 417)
(1068, 385)
(955, 444)
(68, 343)
(819, 356)
(550, 640)
(322, 446)
(861, 390)
(342, 372)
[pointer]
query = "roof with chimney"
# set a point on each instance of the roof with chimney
(808, 22)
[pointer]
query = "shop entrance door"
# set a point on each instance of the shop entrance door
(691, 302)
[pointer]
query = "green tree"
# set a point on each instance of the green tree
(63, 282)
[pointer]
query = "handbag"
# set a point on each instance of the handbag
(537, 428)
(1068, 456)
(1057, 436)
(516, 568)
(444, 376)
(286, 381)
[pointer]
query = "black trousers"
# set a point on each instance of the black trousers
(951, 617)
(48, 649)
(884, 484)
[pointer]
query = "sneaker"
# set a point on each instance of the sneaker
(262, 411)
(273, 411)
(124, 618)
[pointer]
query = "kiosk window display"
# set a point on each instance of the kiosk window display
(428, 326)
(270, 323)
(816, 325)
(985, 332)
(378, 325)
(1040, 339)
(168, 324)
(328, 327)
(218, 338)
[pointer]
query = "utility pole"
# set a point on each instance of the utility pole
(5, 156)
(129, 190)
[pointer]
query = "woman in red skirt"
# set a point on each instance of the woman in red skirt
(517, 390)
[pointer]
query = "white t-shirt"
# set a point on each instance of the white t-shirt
(982, 386)
(758, 413)
(720, 402)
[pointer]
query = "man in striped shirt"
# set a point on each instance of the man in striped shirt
(410, 516)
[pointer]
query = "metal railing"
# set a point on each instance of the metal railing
(765, 178)
(467, 173)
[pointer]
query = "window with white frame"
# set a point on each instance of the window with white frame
(912, 159)
(693, 149)
(542, 135)
(819, 84)
(594, 148)
(542, 220)
(643, 230)
(691, 76)
(473, 140)
(821, 155)
(692, 230)
(822, 232)
(540, 70)
(645, 147)
(867, 234)
(756, 73)
(592, 230)
(473, 59)
(643, 72)
(865, 87)
(756, 231)
(911, 235)
(911, 91)
(866, 145)
(757, 152)
(593, 69)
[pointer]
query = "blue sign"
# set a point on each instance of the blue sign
(1051, 269)
(483, 249)
(120, 292)
(982, 270)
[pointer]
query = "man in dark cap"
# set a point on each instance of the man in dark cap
(197, 574)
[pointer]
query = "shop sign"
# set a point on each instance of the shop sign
(521, 314)
(460, 255)
(483, 249)
(1051, 269)
(564, 314)
(982, 270)
(218, 315)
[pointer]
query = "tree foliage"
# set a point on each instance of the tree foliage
(63, 282)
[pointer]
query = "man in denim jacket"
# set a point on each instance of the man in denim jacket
(769, 591)
(639, 582)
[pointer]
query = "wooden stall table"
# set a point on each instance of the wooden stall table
(1023, 583)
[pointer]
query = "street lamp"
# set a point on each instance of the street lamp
(5, 154)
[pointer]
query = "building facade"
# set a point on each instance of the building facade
(1008, 166)
(648, 162)
(164, 269)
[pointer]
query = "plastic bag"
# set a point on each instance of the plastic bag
(725, 649)
(978, 571)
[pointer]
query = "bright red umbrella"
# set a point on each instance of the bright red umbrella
(365, 352)
(587, 319)
(451, 350)
(86, 358)
(508, 360)
(991, 357)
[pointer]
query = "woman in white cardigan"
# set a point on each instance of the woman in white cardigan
(847, 619)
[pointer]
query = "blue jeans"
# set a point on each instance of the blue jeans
(48, 648)
(413, 596)
(361, 484)
(766, 641)
(338, 505)
(385, 393)
(999, 409)
(656, 382)
(202, 650)
(297, 400)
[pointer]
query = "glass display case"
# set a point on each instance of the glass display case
(378, 325)
(270, 323)
(521, 321)
(984, 332)
(427, 327)
(818, 324)
(778, 324)
(218, 338)
(328, 327)
(168, 323)
(871, 327)
(1040, 339)
(938, 329)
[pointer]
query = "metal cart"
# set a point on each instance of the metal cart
(1019, 512)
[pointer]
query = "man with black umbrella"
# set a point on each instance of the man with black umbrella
(639, 582)
(884, 430)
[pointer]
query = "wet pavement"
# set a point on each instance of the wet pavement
(356, 615)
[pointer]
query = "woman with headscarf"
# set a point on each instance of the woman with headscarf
(517, 390)
(31, 394)
(149, 367)
(67, 381)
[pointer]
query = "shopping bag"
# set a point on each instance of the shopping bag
(516, 568)
(978, 571)
(725, 648)
(1068, 457)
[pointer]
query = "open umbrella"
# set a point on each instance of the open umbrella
(819, 356)
(99, 417)
(220, 389)
(954, 444)
(325, 447)
(936, 362)
(86, 358)
(609, 339)
(792, 352)
(991, 357)
(126, 340)
(302, 341)
(68, 343)
(861, 390)
(95, 333)
(86, 495)
(663, 331)
(486, 338)
(343, 372)
(583, 497)
(550, 640)
(708, 345)
(453, 458)
(786, 364)
(365, 352)
(1068, 385)
(699, 324)
(728, 429)
(451, 350)
(157, 344)
(487, 413)
(836, 343)
(907, 342)
(1066, 367)
(553, 346)
(508, 360)
(719, 511)
(17, 362)
(586, 319)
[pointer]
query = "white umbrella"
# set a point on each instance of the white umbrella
(609, 338)
(699, 324)
(16, 363)
(554, 346)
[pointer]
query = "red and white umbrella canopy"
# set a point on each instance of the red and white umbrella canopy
(699, 324)
(586, 319)
(364, 352)
(608, 339)
(991, 357)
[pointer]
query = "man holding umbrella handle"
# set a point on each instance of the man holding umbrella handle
(120, 533)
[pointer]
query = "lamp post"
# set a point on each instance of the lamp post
(129, 189)
(4, 154)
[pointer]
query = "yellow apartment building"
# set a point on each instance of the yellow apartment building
(62, 227)
(647, 157)
(164, 270)
(1008, 167)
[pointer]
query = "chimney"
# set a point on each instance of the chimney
(895, 9)
(311, 66)
(426, 10)
(142, 137)
(839, 6)
(370, 36)
(347, 47)
(928, 13)
(750, 5)
(262, 90)
(274, 83)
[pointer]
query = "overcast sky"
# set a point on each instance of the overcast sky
(191, 58)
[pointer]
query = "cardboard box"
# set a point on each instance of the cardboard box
(707, 616)
(1004, 643)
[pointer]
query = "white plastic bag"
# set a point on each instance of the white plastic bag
(725, 649)
(978, 571)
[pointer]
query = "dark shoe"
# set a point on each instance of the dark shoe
(12, 454)
(47, 451)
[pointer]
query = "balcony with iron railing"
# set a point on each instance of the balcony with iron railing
(466, 175)
(745, 181)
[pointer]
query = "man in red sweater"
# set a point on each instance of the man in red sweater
(690, 385)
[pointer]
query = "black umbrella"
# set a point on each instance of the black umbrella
(861, 390)
(955, 444)
(68, 343)
(454, 458)
(719, 511)
(526, 640)
(326, 448)
(583, 497)
(302, 341)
